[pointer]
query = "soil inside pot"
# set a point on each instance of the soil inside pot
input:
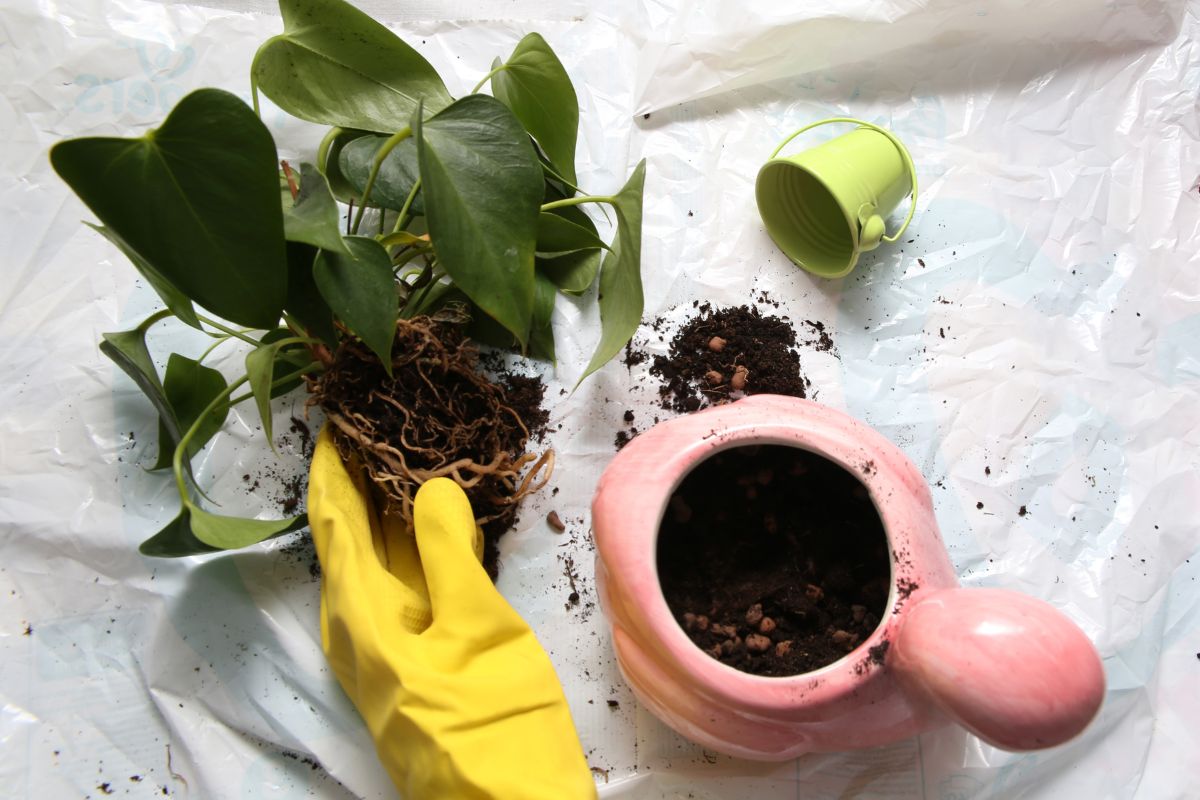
(773, 559)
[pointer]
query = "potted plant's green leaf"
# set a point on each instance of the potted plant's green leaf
(175, 300)
(557, 236)
(572, 273)
(189, 387)
(127, 349)
(313, 217)
(361, 290)
(335, 65)
(261, 370)
(197, 532)
(620, 297)
(483, 187)
(541, 331)
(304, 300)
(176, 540)
(533, 83)
(196, 199)
(404, 239)
(483, 329)
(328, 161)
(288, 359)
(397, 173)
(230, 533)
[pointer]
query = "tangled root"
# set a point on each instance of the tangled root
(436, 416)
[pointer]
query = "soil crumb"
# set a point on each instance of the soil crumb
(525, 395)
(723, 354)
(774, 560)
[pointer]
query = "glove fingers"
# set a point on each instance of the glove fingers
(446, 536)
(351, 547)
(399, 555)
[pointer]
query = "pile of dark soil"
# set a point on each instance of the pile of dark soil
(774, 560)
(720, 355)
(438, 415)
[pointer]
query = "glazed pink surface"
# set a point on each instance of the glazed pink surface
(1006, 666)
(855, 702)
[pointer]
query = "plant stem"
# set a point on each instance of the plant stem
(384, 151)
(324, 147)
(220, 341)
(161, 314)
(578, 201)
(230, 331)
(416, 302)
(186, 439)
(488, 77)
(291, 376)
(402, 220)
(409, 256)
(293, 324)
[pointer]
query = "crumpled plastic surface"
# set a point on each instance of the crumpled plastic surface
(1034, 342)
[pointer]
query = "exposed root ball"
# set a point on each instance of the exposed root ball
(437, 416)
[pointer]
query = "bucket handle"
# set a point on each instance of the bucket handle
(908, 162)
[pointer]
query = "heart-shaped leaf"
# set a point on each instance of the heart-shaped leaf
(361, 290)
(397, 173)
(313, 217)
(573, 273)
(335, 65)
(197, 200)
(175, 300)
(541, 331)
(483, 329)
(189, 387)
(176, 540)
(328, 163)
(128, 350)
(535, 86)
(620, 297)
(304, 301)
(483, 186)
(260, 370)
(289, 359)
(230, 533)
(556, 236)
(197, 532)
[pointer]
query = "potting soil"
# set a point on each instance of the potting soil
(773, 560)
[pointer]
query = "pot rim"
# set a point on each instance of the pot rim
(819, 429)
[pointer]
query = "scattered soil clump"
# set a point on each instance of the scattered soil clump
(774, 560)
(438, 415)
(723, 354)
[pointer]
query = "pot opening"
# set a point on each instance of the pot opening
(773, 559)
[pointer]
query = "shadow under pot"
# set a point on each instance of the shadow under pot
(776, 584)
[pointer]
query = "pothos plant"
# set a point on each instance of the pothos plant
(475, 215)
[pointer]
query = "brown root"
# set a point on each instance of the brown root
(436, 416)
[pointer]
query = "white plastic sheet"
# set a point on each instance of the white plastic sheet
(1041, 321)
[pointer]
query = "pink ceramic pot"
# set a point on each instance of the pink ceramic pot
(1010, 668)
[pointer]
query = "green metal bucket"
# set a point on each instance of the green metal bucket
(826, 205)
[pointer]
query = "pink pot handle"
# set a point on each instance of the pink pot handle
(1009, 668)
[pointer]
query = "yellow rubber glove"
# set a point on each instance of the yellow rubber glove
(459, 696)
